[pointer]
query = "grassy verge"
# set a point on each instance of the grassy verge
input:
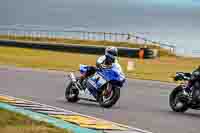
(154, 69)
(11, 122)
(162, 52)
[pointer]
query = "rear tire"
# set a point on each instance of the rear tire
(172, 101)
(112, 101)
(75, 91)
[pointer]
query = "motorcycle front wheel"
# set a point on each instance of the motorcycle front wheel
(177, 101)
(71, 93)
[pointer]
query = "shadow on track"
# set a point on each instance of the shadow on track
(187, 114)
(96, 105)
(88, 104)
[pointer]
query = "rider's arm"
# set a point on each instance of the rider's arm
(118, 66)
(100, 61)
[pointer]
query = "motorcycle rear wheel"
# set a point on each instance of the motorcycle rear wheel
(114, 98)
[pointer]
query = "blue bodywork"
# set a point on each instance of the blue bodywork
(103, 76)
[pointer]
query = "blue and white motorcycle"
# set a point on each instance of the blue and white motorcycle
(103, 86)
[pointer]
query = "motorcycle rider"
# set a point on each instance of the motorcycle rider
(107, 60)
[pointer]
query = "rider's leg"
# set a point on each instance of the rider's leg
(91, 70)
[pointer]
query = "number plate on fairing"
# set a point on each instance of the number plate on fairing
(97, 81)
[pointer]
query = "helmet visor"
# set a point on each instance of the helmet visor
(113, 53)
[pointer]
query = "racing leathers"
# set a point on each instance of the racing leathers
(102, 62)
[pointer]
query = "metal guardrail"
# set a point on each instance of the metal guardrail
(82, 35)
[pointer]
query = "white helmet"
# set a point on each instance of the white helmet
(111, 52)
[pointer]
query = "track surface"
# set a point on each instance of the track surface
(143, 104)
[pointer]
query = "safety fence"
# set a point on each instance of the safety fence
(82, 35)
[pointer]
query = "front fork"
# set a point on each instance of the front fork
(186, 87)
(187, 91)
(74, 80)
(72, 77)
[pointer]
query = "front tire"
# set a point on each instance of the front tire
(174, 97)
(71, 90)
(113, 99)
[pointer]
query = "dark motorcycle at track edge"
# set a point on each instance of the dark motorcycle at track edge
(179, 99)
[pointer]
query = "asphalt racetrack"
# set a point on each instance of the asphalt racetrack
(143, 104)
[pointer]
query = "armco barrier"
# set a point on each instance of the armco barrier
(85, 49)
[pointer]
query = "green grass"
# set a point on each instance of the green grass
(53, 41)
(11, 122)
(154, 69)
